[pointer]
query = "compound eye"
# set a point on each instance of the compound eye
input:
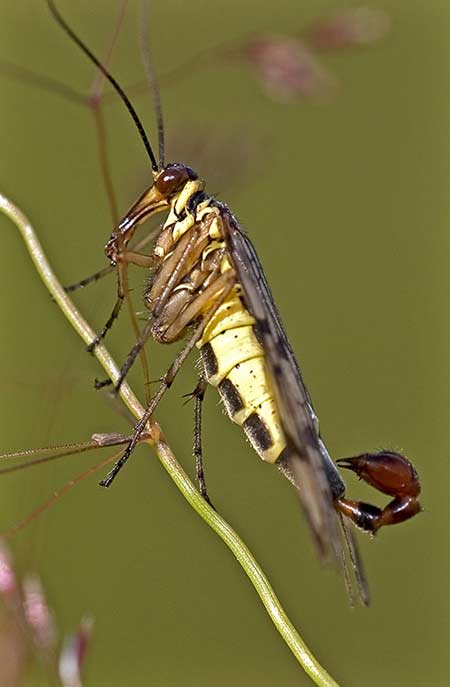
(173, 177)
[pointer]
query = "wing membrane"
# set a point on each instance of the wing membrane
(307, 460)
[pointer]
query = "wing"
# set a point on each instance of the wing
(305, 461)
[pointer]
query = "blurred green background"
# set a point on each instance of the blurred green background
(346, 202)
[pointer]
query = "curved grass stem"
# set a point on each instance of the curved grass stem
(244, 557)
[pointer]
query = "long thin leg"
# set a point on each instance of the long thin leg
(110, 321)
(92, 278)
(121, 293)
(131, 357)
(199, 394)
(122, 280)
(166, 383)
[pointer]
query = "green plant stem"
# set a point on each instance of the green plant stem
(258, 579)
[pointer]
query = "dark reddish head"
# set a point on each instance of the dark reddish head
(167, 183)
(173, 177)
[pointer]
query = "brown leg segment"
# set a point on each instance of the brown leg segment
(170, 274)
(124, 259)
(199, 394)
(186, 253)
(89, 280)
(170, 375)
(109, 323)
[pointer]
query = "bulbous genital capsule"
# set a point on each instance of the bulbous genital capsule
(390, 473)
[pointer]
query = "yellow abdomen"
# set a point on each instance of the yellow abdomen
(233, 361)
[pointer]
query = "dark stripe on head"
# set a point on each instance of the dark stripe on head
(209, 360)
(231, 397)
(258, 432)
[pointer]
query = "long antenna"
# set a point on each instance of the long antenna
(83, 47)
(144, 41)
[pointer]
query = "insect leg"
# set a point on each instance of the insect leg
(125, 258)
(199, 394)
(165, 384)
(184, 256)
(175, 267)
(110, 321)
(223, 289)
(89, 280)
(138, 259)
(96, 276)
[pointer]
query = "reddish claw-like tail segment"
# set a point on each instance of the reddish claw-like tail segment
(390, 473)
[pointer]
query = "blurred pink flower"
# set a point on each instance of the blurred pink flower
(287, 68)
(8, 580)
(73, 655)
(348, 28)
(37, 613)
